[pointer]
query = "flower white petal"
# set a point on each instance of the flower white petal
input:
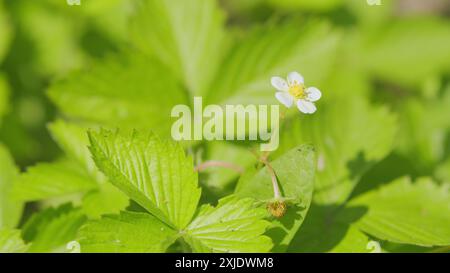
(306, 107)
(314, 94)
(295, 77)
(280, 84)
(285, 98)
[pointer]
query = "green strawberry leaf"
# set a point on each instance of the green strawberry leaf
(186, 35)
(405, 212)
(329, 229)
(107, 199)
(72, 138)
(47, 180)
(126, 91)
(127, 232)
(234, 225)
(154, 173)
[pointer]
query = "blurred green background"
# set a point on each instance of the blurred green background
(384, 71)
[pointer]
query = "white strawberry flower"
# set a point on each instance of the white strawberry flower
(294, 90)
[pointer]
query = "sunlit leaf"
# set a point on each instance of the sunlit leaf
(232, 226)
(107, 199)
(186, 35)
(128, 92)
(405, 212)
(127, 232)
(154, 173)
(47, 180)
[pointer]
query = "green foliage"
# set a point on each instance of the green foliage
(233, 226)
(11, 242)
(53, 38)
(399, 212)
(405, 212)
(127, 232)
(273, 51)
(424, 131)
(44, 181)
(4, 95)
(50, 230)
(158, 176)
(371, 166)
(154, 173)
(220, 180)
(98, 96)
(350, 136)
(295, 173)
(409, 51)
(73, 139)
(186, 35)
(10, 208)
(5, 33)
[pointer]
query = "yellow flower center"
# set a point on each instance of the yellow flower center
(297, 91)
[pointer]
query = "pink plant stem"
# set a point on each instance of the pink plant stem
(273, 176)
(214, 163)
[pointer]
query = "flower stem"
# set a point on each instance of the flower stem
(263, 159)
(273, 176)
(215, 163)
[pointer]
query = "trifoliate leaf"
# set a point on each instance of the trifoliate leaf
(127, 232)
(51, 229)
(350, 136)
(46, 180)
(11, 242)
(186, 35)
(295, 174)
(154, 173)
(10, 208)
(127, 92)
(234, 225)
(405, 212)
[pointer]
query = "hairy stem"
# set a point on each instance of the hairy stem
(263, 159)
